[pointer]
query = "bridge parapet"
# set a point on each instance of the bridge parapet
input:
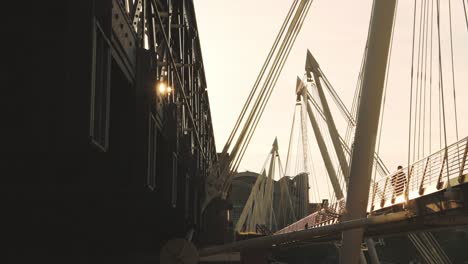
(426, 176)
(323, 216)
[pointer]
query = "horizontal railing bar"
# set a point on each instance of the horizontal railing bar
(425, 172)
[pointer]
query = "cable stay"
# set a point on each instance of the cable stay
(218, 181)
(428, 99)
(301, 90)
(270, 204)
(318, 77)
(430, 86)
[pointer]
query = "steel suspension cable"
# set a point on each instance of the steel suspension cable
(283, 171)
(304, 155)
(249, 207)
(430, 79)
(297, 170)
(260, 76)
(357, 95)
(440, 112)
(261, 98)
(290, 139)
(270, 83)
(327, 144)
(424, 81)
(315, 178)
(466, 15)
(297, 167)
(253, 115)
(442, 92)
(453, 82)
(442, 253)
(411, 88)
(337, 99)
(417, 120)
(358, 90)
(383, 170)
(314, 175)
(453, 71)
(313, 171)
(305, 144)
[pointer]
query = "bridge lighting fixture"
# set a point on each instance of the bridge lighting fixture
(169, 89)
(162, 88)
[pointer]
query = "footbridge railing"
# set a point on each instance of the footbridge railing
(426, 176)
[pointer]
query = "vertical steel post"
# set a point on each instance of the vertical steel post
(305, 148)
(379, 37)
(374, 258)
(374, 191)
(439, 179)
(384, 193)
(461, 176)
(269, 186)
(421, 184)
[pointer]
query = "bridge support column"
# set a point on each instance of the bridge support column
(367, 123)
(374, 258)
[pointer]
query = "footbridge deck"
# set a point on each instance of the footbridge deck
(428, 177)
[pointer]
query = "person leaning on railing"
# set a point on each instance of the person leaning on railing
(399, 181)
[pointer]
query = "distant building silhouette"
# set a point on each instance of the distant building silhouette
(242, 184)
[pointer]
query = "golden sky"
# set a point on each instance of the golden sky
(237, 35)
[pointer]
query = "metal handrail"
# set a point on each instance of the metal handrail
(428, 175)
(424, 178)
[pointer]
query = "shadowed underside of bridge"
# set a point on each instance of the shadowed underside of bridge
(419, 218)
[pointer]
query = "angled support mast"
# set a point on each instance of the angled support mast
(250, 201)
(219, 179)
(269, 186)
(312, 66)
(378, 161)
(379, 37)
(258, 208)
(302, 90)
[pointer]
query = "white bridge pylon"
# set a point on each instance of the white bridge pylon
(269, 206)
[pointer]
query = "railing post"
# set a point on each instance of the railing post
(461, 176)
(421, 185)
(382, 201)
(410, 173)
(394, 185)
(439, 180)
(376, 184)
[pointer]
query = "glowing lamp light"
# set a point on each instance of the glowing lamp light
(169, 89)
(162, 88)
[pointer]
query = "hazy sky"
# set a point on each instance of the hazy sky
(237, 35)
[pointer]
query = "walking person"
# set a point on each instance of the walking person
(399, 181)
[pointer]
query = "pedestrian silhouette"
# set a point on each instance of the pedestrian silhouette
(399, 181)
